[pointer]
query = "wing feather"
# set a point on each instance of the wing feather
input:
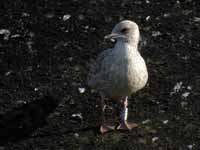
(98, 68)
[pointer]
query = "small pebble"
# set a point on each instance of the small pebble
(66, 44)
(112, 40)
(6, 33)
(36, 89)
(86, 27)
(147, 18)
(166, 15)
(21, 102)
(185, 57)
(147, 1)
(154, 139)
(8, 73)
(165, 121)
(66, 17)
(79, 115)
(182, 36)
(177, 88)
(196, 19)
(76, 135)
(146, 121)
(186, 94)
(24, 14)
(15, 36)
(190, 146)
(189, 87)
(156, 33)
(81, 90)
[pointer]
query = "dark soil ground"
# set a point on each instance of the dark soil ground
(44, 56)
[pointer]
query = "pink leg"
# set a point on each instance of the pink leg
(124, 124)
(105, 127)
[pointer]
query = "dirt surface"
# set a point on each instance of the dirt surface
(45, 48)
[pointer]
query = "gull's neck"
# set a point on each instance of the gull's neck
(121, 44)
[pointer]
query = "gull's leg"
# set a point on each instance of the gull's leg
(124, 124)
(104, 126)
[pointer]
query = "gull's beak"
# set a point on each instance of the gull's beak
(112, 36)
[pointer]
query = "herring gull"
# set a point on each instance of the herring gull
(119, 71)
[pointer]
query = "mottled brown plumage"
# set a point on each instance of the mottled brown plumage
(120, 71)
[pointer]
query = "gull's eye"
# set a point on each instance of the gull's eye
(124, 30)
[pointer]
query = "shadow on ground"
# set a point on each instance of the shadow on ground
(20, 122)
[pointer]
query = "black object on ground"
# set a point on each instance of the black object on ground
(22, 121)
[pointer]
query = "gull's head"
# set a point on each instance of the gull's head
(126, 31)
